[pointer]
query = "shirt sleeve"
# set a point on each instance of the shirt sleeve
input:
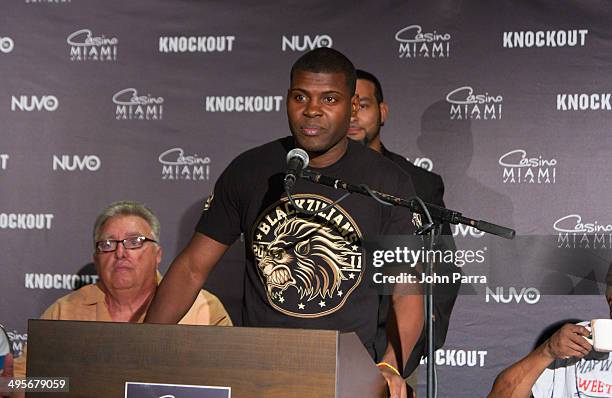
(218, 314)
(206, 310)
(220, 218)
(52, 312)
(544, 385)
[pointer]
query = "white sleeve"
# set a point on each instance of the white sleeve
(559, 382)
(4, 344)
(543, 387)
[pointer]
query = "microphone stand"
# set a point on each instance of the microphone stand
(436, 216)
(416, 205)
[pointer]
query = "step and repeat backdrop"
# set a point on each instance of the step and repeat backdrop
(509, 101)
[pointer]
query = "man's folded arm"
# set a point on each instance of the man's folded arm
(518, 380)
(184, 279)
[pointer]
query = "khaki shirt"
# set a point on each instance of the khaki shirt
(88, 304)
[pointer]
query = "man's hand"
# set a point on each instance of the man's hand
(397, 385)
(518, 380)
(568, 342)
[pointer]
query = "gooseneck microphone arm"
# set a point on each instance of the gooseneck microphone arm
(439, 213)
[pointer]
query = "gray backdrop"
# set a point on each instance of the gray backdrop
(150, 100)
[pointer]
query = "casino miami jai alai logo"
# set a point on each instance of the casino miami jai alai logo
(84, 46)
(132, 106)
(309, 265)
(574, 232)
(520, 168)
(178, 166)
(415, 43)
(465, 104)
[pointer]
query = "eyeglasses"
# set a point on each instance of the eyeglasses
(131, 243)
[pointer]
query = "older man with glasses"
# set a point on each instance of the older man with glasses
(127, 254)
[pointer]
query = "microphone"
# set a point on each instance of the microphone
(297, 160)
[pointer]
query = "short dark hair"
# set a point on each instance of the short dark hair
(327, 60)
(378, 93)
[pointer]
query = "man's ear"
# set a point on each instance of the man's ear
(354, 105)
(159, 255)
(384, 112)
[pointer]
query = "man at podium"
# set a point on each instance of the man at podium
(306, 266)
(127, 254)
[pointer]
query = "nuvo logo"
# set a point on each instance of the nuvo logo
(503, 295)
(29, 103)
(424, 163)
(465, 105)
(76, 162)
(305, 42)
(464, 231)
(414, 43)
(6, 45)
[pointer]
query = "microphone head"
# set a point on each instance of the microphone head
(300, 154)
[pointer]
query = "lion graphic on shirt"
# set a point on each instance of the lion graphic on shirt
(306, 255)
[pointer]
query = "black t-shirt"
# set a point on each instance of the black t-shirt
(307, 271)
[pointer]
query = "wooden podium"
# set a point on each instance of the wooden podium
(99, 357)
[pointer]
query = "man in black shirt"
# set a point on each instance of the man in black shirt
(305, 271)
(365, 128)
